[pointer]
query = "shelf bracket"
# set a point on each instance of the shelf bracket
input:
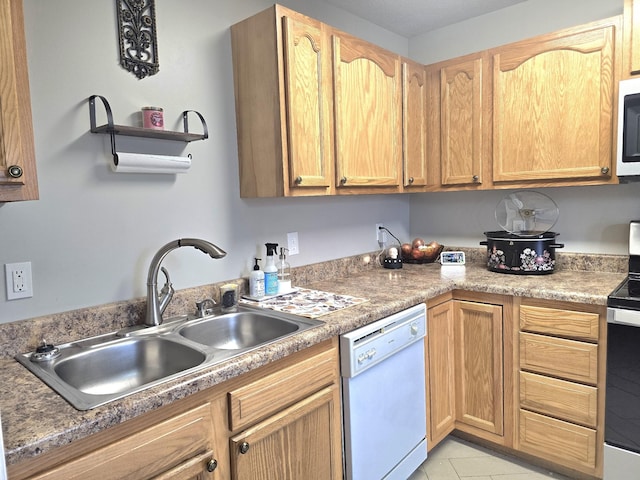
(110, 126)
(185, 121)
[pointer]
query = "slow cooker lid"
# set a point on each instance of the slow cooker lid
(527, 213)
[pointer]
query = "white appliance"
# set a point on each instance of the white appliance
(622, 416)
(628, 151)
(384, 398)
(3, 465)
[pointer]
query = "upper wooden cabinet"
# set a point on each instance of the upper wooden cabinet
(308, 101)
(631, 50)
(18, 177)
(318, 111)
(282, 72)
(553, 101)
(368, 115)
(463, 119)
(414, 130)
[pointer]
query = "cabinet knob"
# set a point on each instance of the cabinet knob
(244, 447)
(411, 180)
(343, 180)
(475, 178)
(15, 171)
(298, 180)
(212, 465)
(604, 170)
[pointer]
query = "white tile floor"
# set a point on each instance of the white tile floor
(456, 459)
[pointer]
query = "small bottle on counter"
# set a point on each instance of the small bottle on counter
(284, 273)
(271, 271)
(256, 281)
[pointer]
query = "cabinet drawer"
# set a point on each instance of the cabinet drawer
(565, 323)
(566, 400)
(280, 389)
(147, 453)
(568, 359)
(561, 442)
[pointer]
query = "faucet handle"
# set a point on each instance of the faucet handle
(167, 291)
(202, 309)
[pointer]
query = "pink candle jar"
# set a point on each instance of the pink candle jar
(153, 117)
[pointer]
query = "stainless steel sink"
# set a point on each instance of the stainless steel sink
(97, 370)
(240, 330)
(124, 365)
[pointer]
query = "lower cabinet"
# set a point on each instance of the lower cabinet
(479, 365)
(280, 421)
(293, 444)
(523, 375)
(561, 383)
(468, 358)
(441, 404)
(178, 448)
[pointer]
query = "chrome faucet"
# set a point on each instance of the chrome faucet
(156, 304)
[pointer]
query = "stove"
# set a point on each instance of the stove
(622, 417)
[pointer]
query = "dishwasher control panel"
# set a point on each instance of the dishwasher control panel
(377, 341)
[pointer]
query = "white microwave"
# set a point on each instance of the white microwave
(628, 152)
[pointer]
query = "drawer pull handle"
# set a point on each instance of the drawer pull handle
(244, 447)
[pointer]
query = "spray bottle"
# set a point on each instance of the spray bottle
(271, 271)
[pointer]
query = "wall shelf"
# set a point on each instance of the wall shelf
(112, 129)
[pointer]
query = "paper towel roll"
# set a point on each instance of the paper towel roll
(144, 163)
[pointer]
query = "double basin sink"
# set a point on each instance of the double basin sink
(97, 370)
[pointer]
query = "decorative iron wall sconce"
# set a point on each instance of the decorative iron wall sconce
(137, 36)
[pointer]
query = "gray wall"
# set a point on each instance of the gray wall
(91, 235)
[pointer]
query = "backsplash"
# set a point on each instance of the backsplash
(26, 335)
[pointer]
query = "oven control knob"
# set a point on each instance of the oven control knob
(414, 329)
(361, 358)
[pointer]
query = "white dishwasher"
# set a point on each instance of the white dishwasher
(383, 395)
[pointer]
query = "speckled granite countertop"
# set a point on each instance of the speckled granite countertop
(35, 420)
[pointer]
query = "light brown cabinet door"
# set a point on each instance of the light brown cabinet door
(282, 84)
(308, 103)
(180, 447)
(440, 348)
(299, 442)
(462, 125)
(414, 117)
(368, 115)
(553, 102)
(631, 63)
(18, 178)
(479, 365)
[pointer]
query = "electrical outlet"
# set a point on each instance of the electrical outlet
(381, 234)
(18, 279)
(292, 243)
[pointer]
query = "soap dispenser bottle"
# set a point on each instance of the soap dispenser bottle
(256, 281)
(271, 271)
(284, 273)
